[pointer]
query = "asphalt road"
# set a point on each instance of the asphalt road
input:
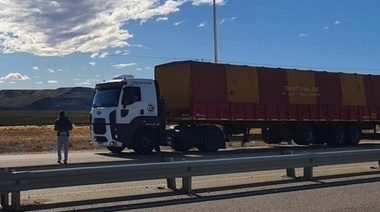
(350, 187)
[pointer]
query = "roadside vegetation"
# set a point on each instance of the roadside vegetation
(24, 118)
(33, 131)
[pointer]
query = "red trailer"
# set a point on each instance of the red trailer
(303, 105)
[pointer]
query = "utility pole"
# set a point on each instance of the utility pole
(215, 34)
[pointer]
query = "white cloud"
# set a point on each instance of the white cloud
(222, 21)
(138, 45)
(326, 27)
(179, 22)
(35, 68)
(143, 21)
(124, 52)
(99, 55)
(203, 24)
(55, 28)
(162, 19)
(15, 76)
(94, 55)
(39, 82)
(103, 55)
(302, 35)
(85, 82)
(199, 2)
(92, 63)
(51, 70)
(337, 22)
(52, 81)
(123, 65)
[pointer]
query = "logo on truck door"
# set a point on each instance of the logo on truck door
(150, 107)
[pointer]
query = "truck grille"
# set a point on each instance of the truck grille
(100, 126)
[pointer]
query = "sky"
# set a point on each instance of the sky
(46, 44)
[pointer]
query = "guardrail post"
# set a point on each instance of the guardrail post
(290, 172)
(170, 181)
(308, 173)
(4, 197)
(186, 184)
(4, 200)
(16, 200)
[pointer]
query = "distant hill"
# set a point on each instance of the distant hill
(73, 99)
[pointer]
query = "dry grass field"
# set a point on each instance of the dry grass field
(33, 139)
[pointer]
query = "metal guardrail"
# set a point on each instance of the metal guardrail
(16, 181)
(196, 155)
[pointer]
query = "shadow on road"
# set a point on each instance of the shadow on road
(177, 197)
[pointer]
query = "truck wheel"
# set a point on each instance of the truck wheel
(304, 134)
(183, 140)
(337, 136)
(322, 135)
(212, 140)
(144, 141)
(115, 149)
(353, 135)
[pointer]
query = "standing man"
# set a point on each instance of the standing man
(63, 126)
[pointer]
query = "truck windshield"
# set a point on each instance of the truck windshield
(106, 98)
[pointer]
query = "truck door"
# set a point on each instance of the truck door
(131, 105)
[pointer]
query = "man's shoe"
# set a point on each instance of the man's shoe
(65, 162)
(59, 162)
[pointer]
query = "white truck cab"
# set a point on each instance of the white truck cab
(125, 113)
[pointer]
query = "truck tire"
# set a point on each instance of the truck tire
(144, 141)
(183, 139)
(353, 135)
(212, 140)
(337, 135)
(116, 150)
(304, 134)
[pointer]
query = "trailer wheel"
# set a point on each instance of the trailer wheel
(304, 134)
(144, 141)
(115, 149)
(353, 135)
(212, 140)
(337, 136)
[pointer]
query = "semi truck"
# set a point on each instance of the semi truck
(192, 104)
